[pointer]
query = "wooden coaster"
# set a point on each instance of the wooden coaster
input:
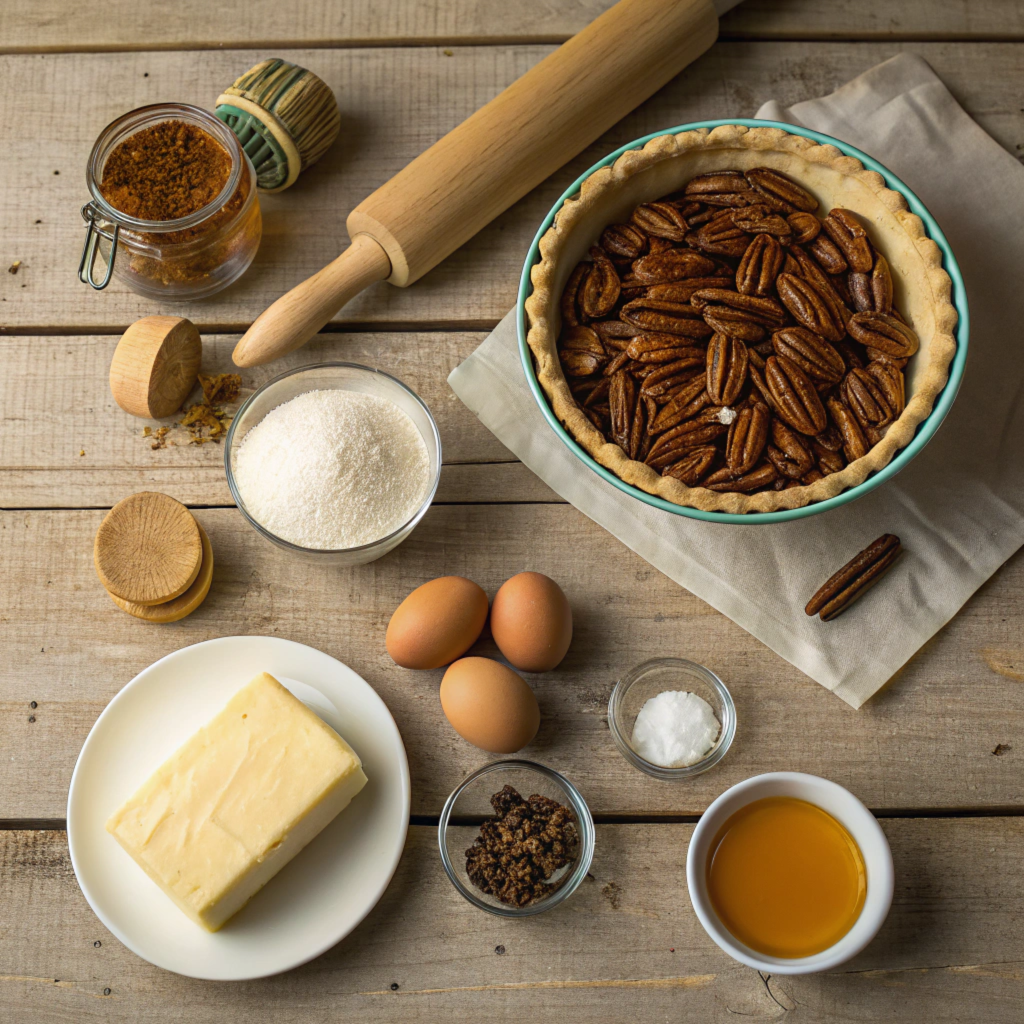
(155, 366)
(148, 550)
(179, 607)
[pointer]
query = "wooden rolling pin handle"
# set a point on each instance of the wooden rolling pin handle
(295, 317)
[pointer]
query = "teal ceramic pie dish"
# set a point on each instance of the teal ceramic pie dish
(924, 430)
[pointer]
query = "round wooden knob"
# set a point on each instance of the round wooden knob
(179, 607)
(148, 549)
(155, 366)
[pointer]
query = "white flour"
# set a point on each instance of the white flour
(333, 469)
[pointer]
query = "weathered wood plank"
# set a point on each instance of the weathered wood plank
(926, 742)
(395, 102)
(626, 946)
(64, 442)
(54, 25)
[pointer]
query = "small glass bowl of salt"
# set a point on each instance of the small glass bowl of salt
(672, 718)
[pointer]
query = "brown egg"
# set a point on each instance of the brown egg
(437, 623)
(489, 705)
(531, 622)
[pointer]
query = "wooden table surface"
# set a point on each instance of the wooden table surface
(936, 755)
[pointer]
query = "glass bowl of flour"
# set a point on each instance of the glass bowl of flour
(672, 718)
(334, 462)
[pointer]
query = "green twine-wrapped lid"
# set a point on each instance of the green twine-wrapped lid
(285, 117)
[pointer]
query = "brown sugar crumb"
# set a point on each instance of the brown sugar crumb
(165, 171)
(207, 420)
(221, 387)
(160, 434)
(518, 851)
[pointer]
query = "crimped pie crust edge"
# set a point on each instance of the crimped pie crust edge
(929, 279)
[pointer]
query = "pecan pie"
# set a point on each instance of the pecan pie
(738, 342)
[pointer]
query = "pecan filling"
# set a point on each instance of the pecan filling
(734, 295)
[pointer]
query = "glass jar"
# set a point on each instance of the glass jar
(189, 257)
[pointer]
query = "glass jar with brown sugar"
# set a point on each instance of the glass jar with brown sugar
(174, 212)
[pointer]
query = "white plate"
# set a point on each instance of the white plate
(317, 899)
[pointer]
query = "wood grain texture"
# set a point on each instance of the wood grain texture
(394, 104)
(625, 946)
(925, 742)
(55, 405)
(127, 24)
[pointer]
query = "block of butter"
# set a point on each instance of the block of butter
(237, 801)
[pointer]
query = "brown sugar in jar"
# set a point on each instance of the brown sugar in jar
(174, 196)
(166, 171)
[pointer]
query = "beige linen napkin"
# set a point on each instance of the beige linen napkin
(958, 507)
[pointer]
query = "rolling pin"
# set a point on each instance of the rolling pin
(491, 160)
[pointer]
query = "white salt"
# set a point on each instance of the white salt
(333, 469)
(675, 729)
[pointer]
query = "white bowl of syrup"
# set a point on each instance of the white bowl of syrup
(789, 873)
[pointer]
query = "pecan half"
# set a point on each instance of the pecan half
(727, 361)
(805, 226)
(622, 404)
(619, 361)
(601, 286)
(884, 332)
(890, 380)
(866, 399)
(639, 439)
(661, 348)
(596, 391)
(781, 192)
(759, 219)
(720, 188)
(828, 462)
(811, 272)
(881, 285)
(693, 433)
(736, 323)
(846, 231)
(568, 306)
(748, 434)
(581, 364)
(693, 466)
(854, 579)
(860, 291)
(812, 353)
(665, 379)
(615, 332)
(722, 236)
(682, 291)
(665, 318)
(764, 311)
(671, 265)
(760, 265)
(794, 396)
(724, 480)
(624, 240)
(788, 453)
(855, 445)
(687, 401)
(663, 220)
(827, 253)
(581, 339)
(804, 301)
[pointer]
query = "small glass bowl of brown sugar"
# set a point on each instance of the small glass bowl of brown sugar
(174, 212)
(516, 838)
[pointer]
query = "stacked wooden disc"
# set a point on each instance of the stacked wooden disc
(153, 558)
